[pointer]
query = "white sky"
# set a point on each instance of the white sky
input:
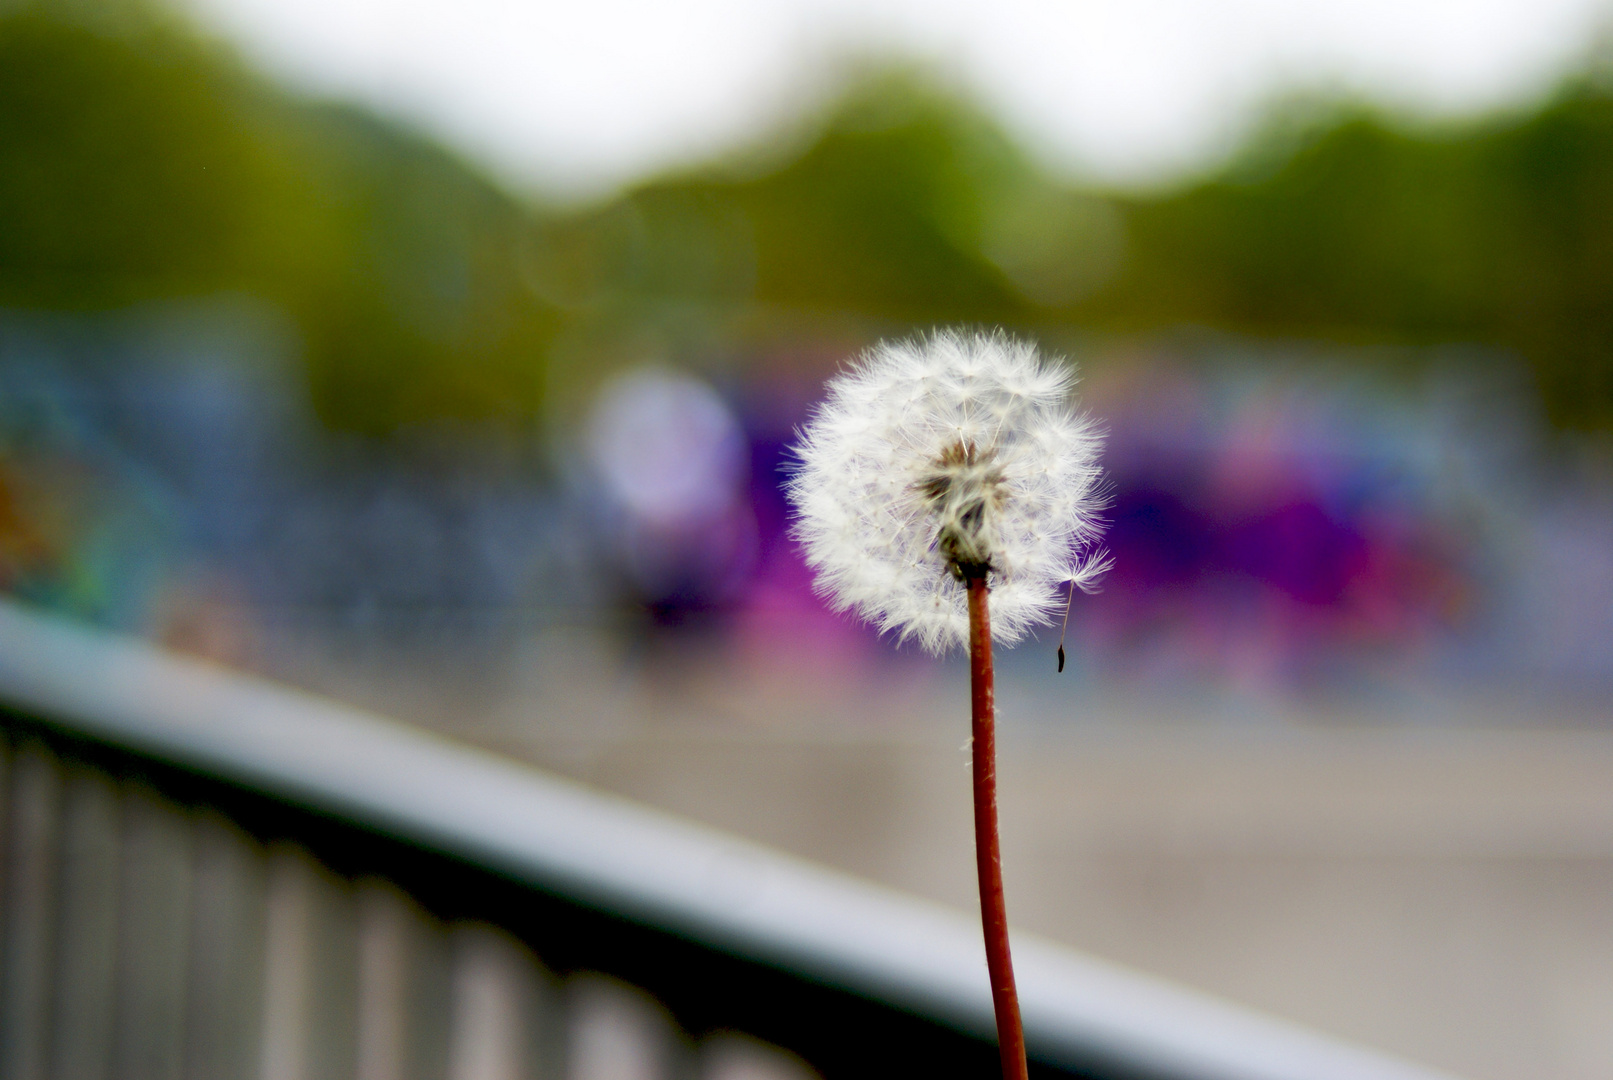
(574, 99)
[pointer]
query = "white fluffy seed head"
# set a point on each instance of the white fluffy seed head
(934, 460)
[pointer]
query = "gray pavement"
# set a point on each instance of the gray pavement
(1424, 873)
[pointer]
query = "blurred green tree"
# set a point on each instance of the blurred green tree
(1498, 232)
(139, 162)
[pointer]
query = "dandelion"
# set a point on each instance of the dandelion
(936, 461)
(940, 472)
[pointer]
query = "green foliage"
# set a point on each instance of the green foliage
(883, 213)
(124, 173)
(417, 309)
(909, 208)
(139, 163)
(878, 215)
(1498, 233)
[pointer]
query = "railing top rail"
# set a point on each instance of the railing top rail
(739, 897)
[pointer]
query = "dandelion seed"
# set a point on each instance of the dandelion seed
(934, 460)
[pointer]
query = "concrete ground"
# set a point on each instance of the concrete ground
(1428, 876)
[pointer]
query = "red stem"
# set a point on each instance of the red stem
(988, 854)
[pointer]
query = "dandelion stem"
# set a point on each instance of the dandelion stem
(988, 853)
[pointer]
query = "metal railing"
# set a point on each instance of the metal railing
(207, 876)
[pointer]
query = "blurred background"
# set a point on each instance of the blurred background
(444, 358)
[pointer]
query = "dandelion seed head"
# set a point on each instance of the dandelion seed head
(934, 460)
